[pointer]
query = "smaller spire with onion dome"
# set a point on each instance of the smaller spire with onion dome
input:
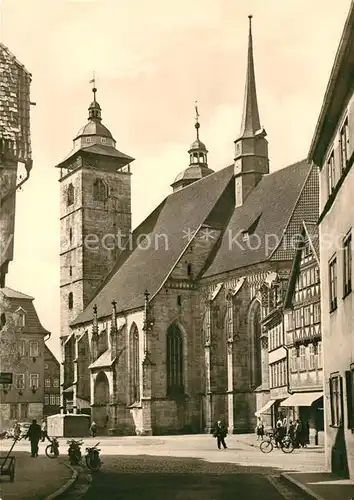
(198, 161)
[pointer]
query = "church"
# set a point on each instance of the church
(161, 327)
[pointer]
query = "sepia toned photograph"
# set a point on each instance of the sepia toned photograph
(176, 255)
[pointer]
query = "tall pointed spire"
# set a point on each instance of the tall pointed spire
(250, 119)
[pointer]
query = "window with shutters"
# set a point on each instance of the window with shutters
(311, 357)
(47, 383)
(331, 174)
(336, 400)
(349, 375)
(34, 349)
(34, 380)
(332, 272)
(347, 265)
(344, 145)
(20, 381)
(319, 355)
(22, 348)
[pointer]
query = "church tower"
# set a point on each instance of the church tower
(251, 148)
(95, 213)
(198, 161)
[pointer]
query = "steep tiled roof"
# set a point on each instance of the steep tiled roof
(14, 104)
(268, 208)
(182, 211)
(16, 300)
(266, 211)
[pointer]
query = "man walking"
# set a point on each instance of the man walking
(34, 435)
(220, 433)
(44, 430)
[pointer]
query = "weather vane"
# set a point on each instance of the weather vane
(196, 111)
(93, 81)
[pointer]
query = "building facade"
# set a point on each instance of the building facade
(161, 328)
(15, 147)
(332, 150)
(51, 399)
(22, 353)
(303, 339)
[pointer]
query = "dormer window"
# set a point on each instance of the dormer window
(88, 139)
(21, 318)
(103, 140)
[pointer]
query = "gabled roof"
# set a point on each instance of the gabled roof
(16, 300)
(310, 232)
(269, 206)
(173, 221)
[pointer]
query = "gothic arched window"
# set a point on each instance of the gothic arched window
(70, 300)
(255, 343)
(70, 195)
(99, 190)
(174, 360)
(134, 364)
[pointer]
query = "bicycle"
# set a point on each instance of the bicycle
(286, 444)
(52, 450)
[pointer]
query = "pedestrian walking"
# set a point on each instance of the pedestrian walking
(220, 433)
(34, 435)
(93, 429)
(44, 430)
(17, 430)
(260, 429)
(279, 434)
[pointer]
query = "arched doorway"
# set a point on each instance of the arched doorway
(254, 328)
(101, 402)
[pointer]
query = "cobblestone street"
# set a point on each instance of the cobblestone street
(190, 467)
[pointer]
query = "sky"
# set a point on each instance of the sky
(152, 60)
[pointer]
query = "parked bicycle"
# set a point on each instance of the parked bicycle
(74, 451)
(269, 443)
(52, 450)
(92, 458)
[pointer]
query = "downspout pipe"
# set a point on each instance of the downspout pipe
(28, 167)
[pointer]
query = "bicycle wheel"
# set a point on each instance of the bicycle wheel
(287, 446)
(266, 446)
(50, 451)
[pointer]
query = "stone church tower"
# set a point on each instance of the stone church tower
(95, 213)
